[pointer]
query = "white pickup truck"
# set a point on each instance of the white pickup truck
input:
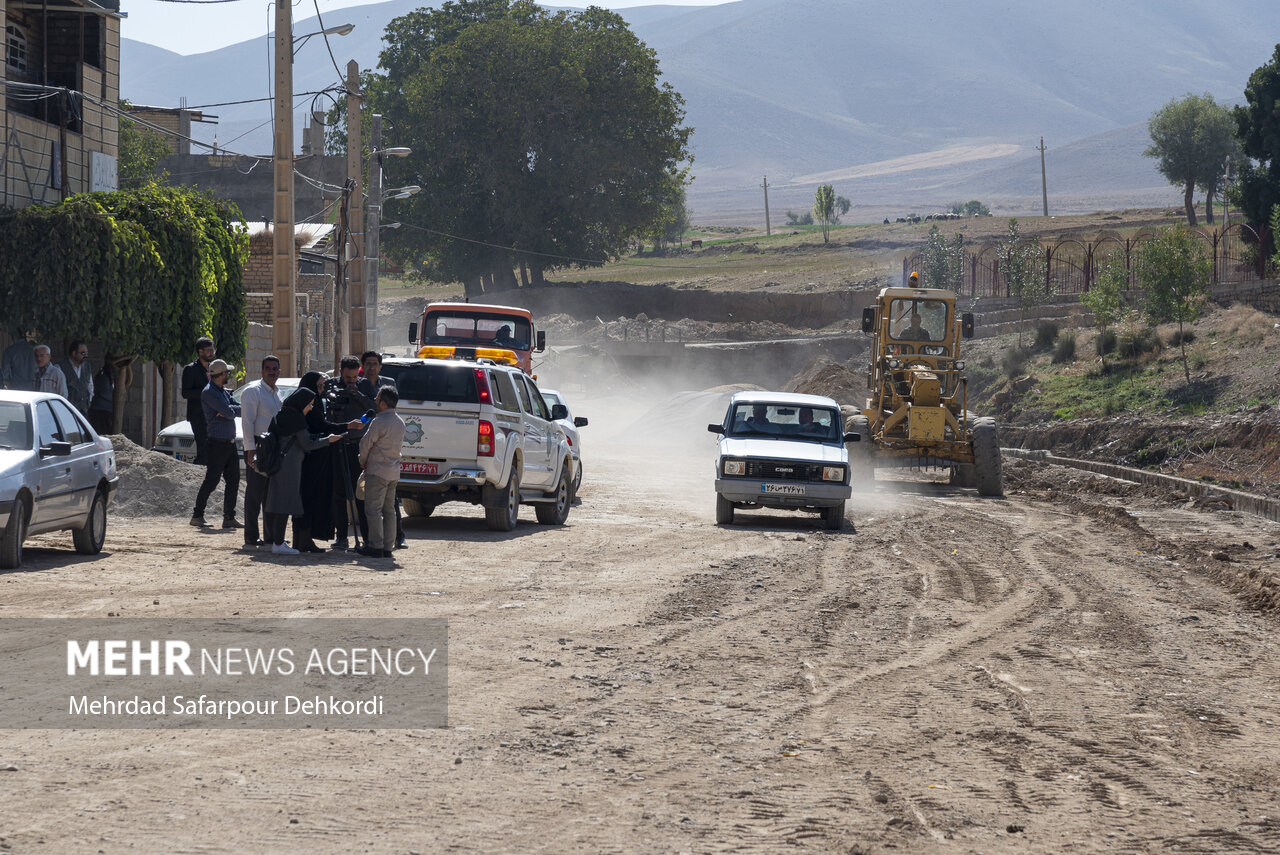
(479, 431)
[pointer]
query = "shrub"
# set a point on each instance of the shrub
(1178, 338)
(1014, 362)
(1064, 349)
(1135, 343)
(1046, 333)
(1105, 342)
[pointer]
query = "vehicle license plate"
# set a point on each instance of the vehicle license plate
(418, 468)
(786, 489)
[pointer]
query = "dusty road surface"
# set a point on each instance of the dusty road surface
(1082, 666)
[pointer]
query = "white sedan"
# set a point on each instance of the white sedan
(782, 450)
(570, 426)
(56, 473)
(179, 441)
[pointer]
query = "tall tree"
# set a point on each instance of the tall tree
(1258, 128)
(824, 209)
(1191, 138)
(540, 139)
(1174, 271)
(942, 261)
(1023, 265)
(141, 150)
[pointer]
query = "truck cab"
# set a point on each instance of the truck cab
(479, 325)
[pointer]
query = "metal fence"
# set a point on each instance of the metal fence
(1072, 265)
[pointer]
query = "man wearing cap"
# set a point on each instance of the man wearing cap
(221, 459)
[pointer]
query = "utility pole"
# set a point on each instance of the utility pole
(340, 280)
(372, 242)
(355, 215)
(1044, 184)
(284, 267)
(767, 230)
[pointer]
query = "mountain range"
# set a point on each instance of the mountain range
(904, 106)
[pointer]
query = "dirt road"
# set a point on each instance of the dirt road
(1048, 672)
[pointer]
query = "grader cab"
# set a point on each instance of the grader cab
(917, 414)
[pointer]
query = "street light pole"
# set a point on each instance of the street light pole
(373, 243)
(355, 216)
(283, 260)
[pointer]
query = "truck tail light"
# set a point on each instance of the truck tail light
(482, 387)
(484, 439)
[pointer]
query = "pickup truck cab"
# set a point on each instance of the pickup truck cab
(478, 325)
(782, 450)
(478, 430)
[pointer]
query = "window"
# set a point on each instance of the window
(49, 430)
(504, 392)
(450, 383)
(15, 425)
(478, 329)
(72, 428)
(524, 395)
(16, 43)
(539, 406)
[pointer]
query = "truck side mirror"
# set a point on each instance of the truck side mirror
(542, 341)
(558, 412)
(868, 319)
(853, 437)
(716, 428)
(413, 333)
(966, 325)
(579, 421)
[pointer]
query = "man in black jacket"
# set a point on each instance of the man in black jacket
(349, 396)
(194, 378)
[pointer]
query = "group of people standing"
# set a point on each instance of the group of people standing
(330, 431)
(30, 367)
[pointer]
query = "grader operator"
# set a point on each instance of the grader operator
(917, 414)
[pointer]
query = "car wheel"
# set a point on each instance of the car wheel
(14, 533)
(415, 508)
(724, 510)
(834, 517)
(89, 540)
(577, 477)
(555, 513)
(988, 474)
(503, 517)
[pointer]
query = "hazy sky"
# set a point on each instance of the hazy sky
(195, 27)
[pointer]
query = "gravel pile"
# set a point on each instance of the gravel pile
(154, 484)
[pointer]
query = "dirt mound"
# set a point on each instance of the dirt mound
(154, 484)
(830, 379)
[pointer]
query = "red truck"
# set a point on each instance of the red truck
(478, 327)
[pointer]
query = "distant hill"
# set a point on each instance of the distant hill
(903, 106)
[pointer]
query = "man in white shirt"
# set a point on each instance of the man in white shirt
(259, 403)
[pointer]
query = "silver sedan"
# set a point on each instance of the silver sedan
(56, 473)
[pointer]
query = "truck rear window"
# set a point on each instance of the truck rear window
(454, 384)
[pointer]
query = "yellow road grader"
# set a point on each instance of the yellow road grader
(917, 414)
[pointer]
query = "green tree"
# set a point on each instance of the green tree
(942, 261)
(824, 209)
(794, 219)
(1023, 265)
(147, 271)
(1191, 139)
(1174, 271)
(972, 208)
(539, 138)
(141, 150)
(1275, 230)
(842, 207)
(1105, 300)
(1258, 129)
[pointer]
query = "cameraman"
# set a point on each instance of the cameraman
(349, 396)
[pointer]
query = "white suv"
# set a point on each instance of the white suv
(781, 450)
(479, 431)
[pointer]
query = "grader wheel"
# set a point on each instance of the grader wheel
(988, 476)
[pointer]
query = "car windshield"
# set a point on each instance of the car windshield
(477, 329)
(785, 421)
(15, 426)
